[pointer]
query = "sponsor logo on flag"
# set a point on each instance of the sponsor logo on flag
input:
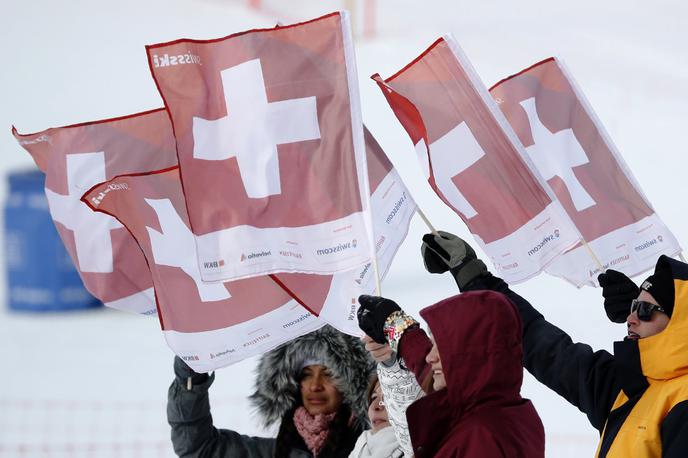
(572, 151)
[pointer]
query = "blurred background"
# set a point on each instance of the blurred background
(93, 383)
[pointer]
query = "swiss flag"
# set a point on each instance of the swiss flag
(74, 158)
(475, 163)
(391, 209)
(210, 325)
(270, 147)
(571, 149)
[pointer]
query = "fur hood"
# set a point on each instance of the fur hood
(277, 375)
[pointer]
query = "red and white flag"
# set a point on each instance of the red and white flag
(392, 209)
(475, 163)
(74, 158)
(571, 149)
(271, 148)
(209, 325)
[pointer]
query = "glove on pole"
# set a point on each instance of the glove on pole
(383, 320)
(184, 372)
(372, 315)
(618, 291)
(446, 252)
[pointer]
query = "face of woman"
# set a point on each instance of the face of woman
(377, 413)
(433, 358)
(318, 391)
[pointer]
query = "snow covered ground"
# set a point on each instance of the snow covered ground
(94, 384)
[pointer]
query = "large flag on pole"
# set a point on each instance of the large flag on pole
(74, 158)
(209, 325)
(392, 209)
(271, 149)
(475, 163)
(573, 152)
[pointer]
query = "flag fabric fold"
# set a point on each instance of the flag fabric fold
(569, 146)
(209, 325)
(392, 208)
(475, 163)
(76, 157)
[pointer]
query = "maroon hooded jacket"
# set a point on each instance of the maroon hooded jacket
(481, 412)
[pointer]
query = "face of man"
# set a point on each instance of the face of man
(433, 358)
(377, 413)
(318, 391)
(638, 329)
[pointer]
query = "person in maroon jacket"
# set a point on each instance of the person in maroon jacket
(475, 408)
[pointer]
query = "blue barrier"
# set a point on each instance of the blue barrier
(40, 274)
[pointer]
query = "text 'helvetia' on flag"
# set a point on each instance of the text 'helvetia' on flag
(271, 149)
(75, 158)
(568, 145)
(475, 163)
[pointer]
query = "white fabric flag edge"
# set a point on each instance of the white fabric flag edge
(359, 137)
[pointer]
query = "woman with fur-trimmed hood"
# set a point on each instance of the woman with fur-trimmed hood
(314, 387)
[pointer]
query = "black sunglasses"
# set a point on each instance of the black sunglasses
(645, 309)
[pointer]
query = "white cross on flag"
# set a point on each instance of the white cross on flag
(209, 325)
(392, 209)
(75, 158)
(271, 148)
(475, 163)
(569, 146)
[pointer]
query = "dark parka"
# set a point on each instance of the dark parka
(481, 413)
(638, 397)
(276, 396)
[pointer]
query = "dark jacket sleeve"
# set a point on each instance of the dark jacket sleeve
(674, 431)
(193, 433)
(585, 378)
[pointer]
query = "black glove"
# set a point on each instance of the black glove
(373, 313)
(618, 291)
(183, 371)
(446, 252)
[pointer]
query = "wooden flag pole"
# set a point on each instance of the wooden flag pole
(376, 271)
(592, 255)
(426, 220)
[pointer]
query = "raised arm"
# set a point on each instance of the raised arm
(193, 433)
(587, 379)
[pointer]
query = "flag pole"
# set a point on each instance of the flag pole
(426, 220)
(376, 271)
(592, 255)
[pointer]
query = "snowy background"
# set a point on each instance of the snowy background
(94, 384)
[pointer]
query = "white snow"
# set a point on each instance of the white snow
(94, 384)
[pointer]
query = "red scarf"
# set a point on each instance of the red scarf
(313, 429)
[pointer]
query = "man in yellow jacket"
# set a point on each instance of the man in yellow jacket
(637, 397)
